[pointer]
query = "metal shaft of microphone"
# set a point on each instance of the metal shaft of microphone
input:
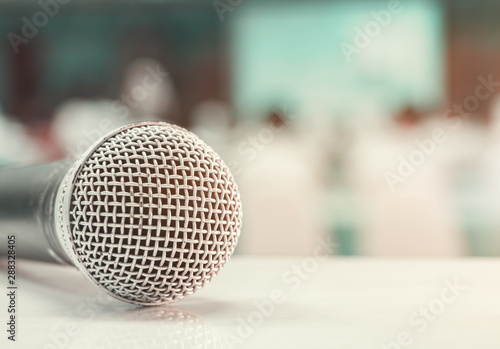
(27, 203)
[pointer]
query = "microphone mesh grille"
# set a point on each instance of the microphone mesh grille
(154, 214)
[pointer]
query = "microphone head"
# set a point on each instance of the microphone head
(150, 213)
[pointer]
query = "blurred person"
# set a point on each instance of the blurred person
(147, 94)
(282, 190)
(413, 216)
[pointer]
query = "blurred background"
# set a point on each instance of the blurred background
(371, 124)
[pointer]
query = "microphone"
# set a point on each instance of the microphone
(149, 213)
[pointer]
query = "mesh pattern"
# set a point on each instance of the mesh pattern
(154, 214)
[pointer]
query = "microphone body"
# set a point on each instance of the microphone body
(27, 204)
(149, 213)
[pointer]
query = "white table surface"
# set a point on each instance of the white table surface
(343, 303)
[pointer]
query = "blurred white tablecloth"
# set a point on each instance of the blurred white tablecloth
(320, 303)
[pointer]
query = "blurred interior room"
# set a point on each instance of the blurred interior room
(371, 124)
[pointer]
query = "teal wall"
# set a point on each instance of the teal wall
(290, 53)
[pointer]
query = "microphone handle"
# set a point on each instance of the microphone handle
(27, 204)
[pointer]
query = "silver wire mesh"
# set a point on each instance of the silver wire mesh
(154, 214)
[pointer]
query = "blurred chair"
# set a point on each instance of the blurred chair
(418, 218)
(282, 194)
(481, 190)
(212, 121)
(16, 146)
